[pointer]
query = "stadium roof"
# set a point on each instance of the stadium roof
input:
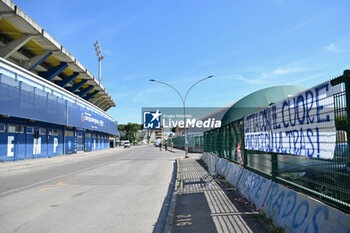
(25, 43)
(258, 100)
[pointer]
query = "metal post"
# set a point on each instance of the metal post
(245, 152)
(99, 70)
(185, 131)
(274, 163)
(346, 75)
(345, 78)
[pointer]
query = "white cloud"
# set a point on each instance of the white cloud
(269, 78)
(260, 80)
(289, 70)
(311, 20)
(265, 75)
(306, 79)
(334, 48)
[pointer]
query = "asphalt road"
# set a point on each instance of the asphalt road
(112, 191)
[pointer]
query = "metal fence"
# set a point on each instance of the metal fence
(327, 179)
(195, 143)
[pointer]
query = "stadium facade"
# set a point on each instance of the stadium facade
(50, 104)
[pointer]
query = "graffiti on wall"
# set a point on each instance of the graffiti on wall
(300, 213)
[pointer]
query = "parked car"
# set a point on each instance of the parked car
(126, 144)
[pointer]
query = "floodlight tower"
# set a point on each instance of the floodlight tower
(99, 58)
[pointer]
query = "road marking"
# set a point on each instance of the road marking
(182, 224)
(61, 183)
(184, 220)
(46, 188)
(55, 178)
(184, 216)
(71, 173)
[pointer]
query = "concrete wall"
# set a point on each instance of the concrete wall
(287, 208)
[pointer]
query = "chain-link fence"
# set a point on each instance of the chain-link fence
(317, 161)
(195, 143)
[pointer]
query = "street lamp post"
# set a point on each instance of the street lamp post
(99, 58)
(183, 104)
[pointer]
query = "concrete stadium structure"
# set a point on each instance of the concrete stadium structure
(50, 104)
(258, 100)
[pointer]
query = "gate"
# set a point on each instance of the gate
(80, 142)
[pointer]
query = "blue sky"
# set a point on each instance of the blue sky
(246, 45)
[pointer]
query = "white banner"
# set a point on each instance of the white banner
(301, 125)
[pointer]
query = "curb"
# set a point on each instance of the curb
(171, 212)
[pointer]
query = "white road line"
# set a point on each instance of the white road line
(53, 178)
(57, 177)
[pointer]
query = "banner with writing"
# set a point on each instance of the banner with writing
(303, 124)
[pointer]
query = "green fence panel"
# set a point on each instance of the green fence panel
(324, 179)
(195, 143)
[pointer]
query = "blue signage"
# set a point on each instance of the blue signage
(87, 119)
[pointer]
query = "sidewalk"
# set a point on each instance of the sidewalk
(181, 153)
(22, 165)
(208, 205)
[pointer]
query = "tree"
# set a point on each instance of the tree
(129, 131)
(122, 131)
